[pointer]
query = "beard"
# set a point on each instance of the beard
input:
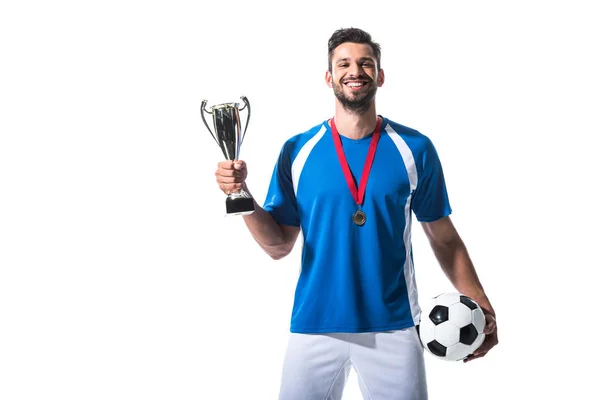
(357, 103)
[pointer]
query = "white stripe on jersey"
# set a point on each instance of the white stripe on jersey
(302, 156)
(409, 270)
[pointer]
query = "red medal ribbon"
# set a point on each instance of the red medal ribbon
(358, 195)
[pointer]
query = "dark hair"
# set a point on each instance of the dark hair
(353, 35)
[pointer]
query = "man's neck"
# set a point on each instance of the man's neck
(355, 126)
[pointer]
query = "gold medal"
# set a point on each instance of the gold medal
(359, 218)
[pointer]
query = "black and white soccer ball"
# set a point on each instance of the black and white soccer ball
(451, 326)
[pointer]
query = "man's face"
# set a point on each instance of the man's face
(354, 76)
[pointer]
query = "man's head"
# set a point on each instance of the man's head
(353, 35)
(354, 69)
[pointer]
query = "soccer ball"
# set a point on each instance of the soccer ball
(451, 326)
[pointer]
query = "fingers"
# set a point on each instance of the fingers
(484, 348)
(473, 357)
(477, 354)
(227, 168)
(229, 163)
(230, 175)
(480, 352)
(239, 165)
(490, 325)
(490, 341)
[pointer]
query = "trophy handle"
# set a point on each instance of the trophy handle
(202, 111)
(247, 104)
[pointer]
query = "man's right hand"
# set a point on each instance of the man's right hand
(231, 176)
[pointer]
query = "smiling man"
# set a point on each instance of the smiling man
(351, 185)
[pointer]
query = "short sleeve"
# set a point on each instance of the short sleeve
(280, 201)
(430, 201)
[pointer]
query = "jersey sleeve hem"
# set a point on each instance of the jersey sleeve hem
(428, 218)
(281, 220)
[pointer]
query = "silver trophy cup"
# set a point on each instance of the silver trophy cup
(229, 136)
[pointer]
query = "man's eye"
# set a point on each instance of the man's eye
(343, 65)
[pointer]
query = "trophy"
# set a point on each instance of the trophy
(229, 136)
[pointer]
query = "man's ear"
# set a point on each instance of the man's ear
(329, 79)
(380, 78)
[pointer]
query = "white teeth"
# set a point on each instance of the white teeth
(354, 84)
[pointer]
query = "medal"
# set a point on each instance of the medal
(359, 217)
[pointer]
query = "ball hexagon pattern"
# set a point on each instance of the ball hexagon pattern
(451, 326)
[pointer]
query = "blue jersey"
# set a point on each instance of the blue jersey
(356, 278)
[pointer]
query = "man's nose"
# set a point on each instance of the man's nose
(355, 69)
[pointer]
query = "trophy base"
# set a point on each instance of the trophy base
(239, 205)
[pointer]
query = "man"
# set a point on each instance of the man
(351, 184)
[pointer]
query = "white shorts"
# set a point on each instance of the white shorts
(389, 365)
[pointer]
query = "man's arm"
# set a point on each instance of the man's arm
(454, 260)
(275, 239)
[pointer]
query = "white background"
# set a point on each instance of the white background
(121, 277)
